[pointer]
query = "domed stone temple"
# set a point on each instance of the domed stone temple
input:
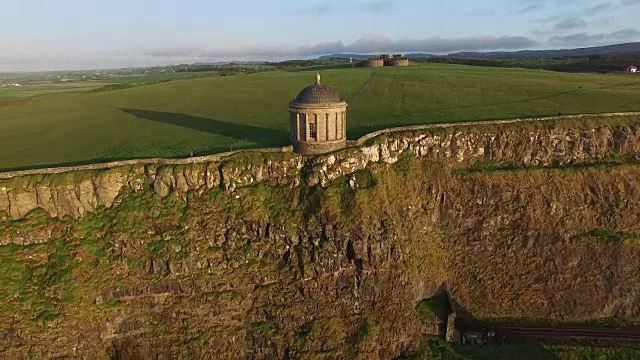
(318, 120)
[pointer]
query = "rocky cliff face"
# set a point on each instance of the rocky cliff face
(281, 256)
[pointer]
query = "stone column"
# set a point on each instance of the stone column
(321, 125)
(344, 125)
(452, 335)
(302, 123)
(331, 127)
(327, 127)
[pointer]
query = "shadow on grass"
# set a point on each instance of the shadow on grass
(263, 137)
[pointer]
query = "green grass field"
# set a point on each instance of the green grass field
(216, 114)
(46, 88)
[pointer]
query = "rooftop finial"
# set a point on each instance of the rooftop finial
(317, 78)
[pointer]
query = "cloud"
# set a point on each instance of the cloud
(598, 16)
(564, 8)
(585, 39)
(176, 55)
(603, 22)
(482, 12)
(530, 8)
(597, 9)
(625, 34)
(540, 32)
(377, 7)
(367, 44)
(630, 2)
(315, 10)
(569, 24)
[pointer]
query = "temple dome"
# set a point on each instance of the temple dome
(317, 94)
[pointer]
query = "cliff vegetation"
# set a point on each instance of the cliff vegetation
(331, 257)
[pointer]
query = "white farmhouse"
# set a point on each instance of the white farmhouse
(632, 69)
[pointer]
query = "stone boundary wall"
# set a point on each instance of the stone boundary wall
(151, 161)
(287, 149)
(396, 62)
(371, 63)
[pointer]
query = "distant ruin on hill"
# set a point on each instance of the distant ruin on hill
(385, 60)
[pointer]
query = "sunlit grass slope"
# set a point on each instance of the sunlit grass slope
(222, 113)
(449, 93)
(47, 88)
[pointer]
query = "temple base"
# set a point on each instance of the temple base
(315, 147)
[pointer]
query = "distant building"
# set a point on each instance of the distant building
(385, 60)
(632, 69)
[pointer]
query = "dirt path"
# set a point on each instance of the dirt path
(365, 87)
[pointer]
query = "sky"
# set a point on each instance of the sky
(92, 34)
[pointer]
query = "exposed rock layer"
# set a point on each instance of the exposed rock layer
(522, 144)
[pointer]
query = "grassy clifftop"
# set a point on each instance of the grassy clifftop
(250, 111)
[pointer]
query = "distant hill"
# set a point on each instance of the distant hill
(610, 50)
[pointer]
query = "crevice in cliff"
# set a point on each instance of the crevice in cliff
(267, 230)
(350, 252)
(285, 260)
(220, 176)
(298, 248)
